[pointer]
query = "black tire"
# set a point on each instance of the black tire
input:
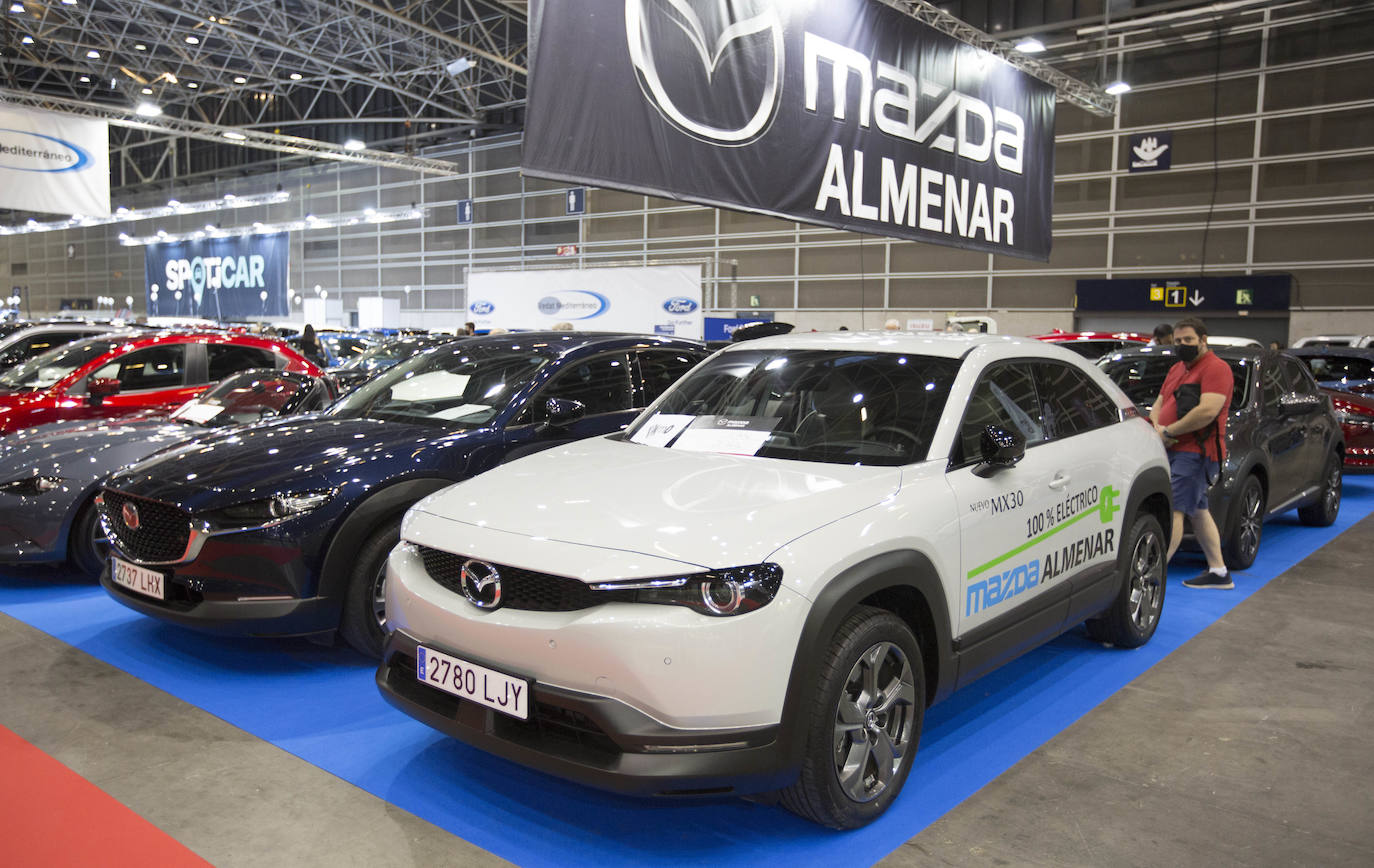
(1134, 614)
(87, 548)
(872, 682)
(364, 618)
(1323, 513)
(1241, 545)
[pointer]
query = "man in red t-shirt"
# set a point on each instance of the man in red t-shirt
(1190, 415)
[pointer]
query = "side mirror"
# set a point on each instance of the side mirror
(1298, 404)
(98, 390)
(1000, 448)
(562, 412)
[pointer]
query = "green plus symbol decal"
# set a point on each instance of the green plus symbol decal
(1108, 506)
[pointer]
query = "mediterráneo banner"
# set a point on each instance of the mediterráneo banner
(845, 113)
(54, 164)
(241, 278)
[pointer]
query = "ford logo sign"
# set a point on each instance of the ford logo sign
(681, 304)
(481, 308)
(24, 151)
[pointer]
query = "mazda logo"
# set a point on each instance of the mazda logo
(668, 42)
(481, 584)
(129, 513)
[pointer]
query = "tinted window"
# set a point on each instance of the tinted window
(601, 384)
(226, 359)
(1006, 397)
(805, 405)
(161, 367)
(1071, 402)
(1141, 377)
(244, 398)
(1299, 378)
(1272, 387)
(659, 369)
(43, 371)
(1340, 367)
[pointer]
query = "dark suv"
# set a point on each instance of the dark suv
(1284, 444)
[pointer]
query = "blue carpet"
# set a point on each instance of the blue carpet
(321, 705)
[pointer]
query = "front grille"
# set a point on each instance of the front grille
(163, 530)
(523, 589)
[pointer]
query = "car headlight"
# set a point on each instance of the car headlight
(718, 593)
(31, 485)
(269, 510)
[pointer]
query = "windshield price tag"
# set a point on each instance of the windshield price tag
(661, 429)
(731, 435)
(194, 411)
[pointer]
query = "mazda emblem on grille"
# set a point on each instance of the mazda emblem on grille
(481, 584)
(129, 513)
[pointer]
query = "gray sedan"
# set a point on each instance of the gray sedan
(50, 474)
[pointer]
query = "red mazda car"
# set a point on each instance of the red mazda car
(128, 372)
(1356, 413)
(1094, 345)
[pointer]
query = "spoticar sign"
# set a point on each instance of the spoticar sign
(846, 113)
(219, 278)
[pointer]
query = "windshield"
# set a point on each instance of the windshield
(346, 348)
(43, 371)
(1141, 377)
(385, 355)
(247, 397)
(453, 388)
(805, 405)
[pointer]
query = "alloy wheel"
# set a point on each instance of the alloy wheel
(874, 721)
(1251, 522)
(1332, 496)
(378, 597)
(1147, 581)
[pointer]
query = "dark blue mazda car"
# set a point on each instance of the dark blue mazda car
(283, 528)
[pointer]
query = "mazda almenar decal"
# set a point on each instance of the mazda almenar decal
(747, 52)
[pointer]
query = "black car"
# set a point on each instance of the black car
(356, 371)
(1283, 441)
(283, 528)
(1343, 369)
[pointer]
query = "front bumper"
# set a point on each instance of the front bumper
(253, 583)
(593, 740)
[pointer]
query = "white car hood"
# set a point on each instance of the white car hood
(699, 508)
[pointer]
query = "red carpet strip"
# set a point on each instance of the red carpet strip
(52, 817)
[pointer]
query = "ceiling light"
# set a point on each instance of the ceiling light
(147, 110)
(192, 85)
(85, 79)
(17, 7)
(170, 77)
(93, 54)
(193, 40)
(68, 2)
(237, 137)
(27, 40)
(1117, 88)
(1030, 45)
(354, 145)
(140, 47)
(238, 79)
(459, 66)
(295, 76)
(147, 91)
(173, 203)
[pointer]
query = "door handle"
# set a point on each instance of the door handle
(1059, 481)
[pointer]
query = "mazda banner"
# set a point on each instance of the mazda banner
(242, 278)
(845, 113)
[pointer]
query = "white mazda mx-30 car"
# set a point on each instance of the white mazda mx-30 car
(761, 584)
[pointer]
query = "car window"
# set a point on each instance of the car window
(47, 369)
(601, 384)
(805, 405)
(1272, 387)
(1340, 367)
(1299, 378)
(1005, 396)
(226, 359)
(659, 369)
(1071, 402)
(160, 367)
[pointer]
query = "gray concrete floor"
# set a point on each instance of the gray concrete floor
(1248, 746)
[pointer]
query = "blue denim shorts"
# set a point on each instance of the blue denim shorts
(1188, 473)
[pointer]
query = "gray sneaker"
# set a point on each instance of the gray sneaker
(1210, 581)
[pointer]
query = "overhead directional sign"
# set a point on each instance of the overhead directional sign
(1184, 295)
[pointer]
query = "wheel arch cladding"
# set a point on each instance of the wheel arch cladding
(1152, 492)
(902, 582)
(360, 523)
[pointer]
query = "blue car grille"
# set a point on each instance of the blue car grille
(522, 589)
(163, 530)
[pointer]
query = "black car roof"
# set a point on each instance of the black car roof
(1326, 350)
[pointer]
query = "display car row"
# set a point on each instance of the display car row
(656, 570)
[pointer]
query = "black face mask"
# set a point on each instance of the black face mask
(1186, 352)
